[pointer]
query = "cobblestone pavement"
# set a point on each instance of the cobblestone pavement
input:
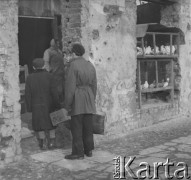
(169, 139)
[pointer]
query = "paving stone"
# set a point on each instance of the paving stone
(184, 148)
(162, 147)
(171, 149)
(102, 175)
(159, 155)
(170, 144)
(102, 156)
(50, 156)
(87, 174)
(100, 168)
(177, 140)
(149, 151)
(76, 165)
(110, 169)
(183, 156)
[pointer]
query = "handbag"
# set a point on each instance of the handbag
(99, 124)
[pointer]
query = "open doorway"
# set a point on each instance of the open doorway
(34, 37)
(35, 34)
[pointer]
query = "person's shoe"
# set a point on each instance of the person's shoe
(43, 144)
(52, 144)
(73, 157)
(89, 154)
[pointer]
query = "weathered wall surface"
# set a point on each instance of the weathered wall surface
(108, 27)
(179, 15)
(10, 123)
(158, 113)
(71, 22)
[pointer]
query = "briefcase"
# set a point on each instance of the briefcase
(59, 116)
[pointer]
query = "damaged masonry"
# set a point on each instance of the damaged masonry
(107, 29)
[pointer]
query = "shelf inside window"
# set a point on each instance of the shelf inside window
(150, 90)
(156, 56)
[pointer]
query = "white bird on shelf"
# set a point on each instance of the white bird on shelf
(166, 83)
(148, 50)
(157, 50)
(162, 49)
(167, 48)
(173, 50)
(146, 85)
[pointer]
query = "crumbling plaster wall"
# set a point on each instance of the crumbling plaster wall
(10, 123)
(179, 15)
(108, 33)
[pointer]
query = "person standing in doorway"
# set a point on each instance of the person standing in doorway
(41, 99)
(54, 63)
(80, 95)
(51, 51)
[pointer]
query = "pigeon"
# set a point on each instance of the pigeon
(163, 50)
(167, 49)
(173, 49)
(148, 50)
(146, 85)
(166, 83)
(139, 51)
(157, 50)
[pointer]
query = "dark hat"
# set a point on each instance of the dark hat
(38, 63)
(78, 49)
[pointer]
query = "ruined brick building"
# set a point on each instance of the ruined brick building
(107, 29)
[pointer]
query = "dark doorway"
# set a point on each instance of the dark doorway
(34, 37)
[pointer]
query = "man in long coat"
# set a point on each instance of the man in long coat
(42, 98)
(80, 94)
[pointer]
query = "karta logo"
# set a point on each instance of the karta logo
(123, 169)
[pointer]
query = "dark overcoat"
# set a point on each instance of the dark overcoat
(57, 69)
(41, 98)
(80, 87)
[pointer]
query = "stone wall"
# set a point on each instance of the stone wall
(108, 33)
(158, 113)
(107, 30)
(179, 15)
(10, 123)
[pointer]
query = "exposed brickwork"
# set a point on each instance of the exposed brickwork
(10, 123)
(71, 22)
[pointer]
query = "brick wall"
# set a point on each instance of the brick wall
(71, 22)
(10, 123)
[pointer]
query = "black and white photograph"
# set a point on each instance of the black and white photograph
(95, 89)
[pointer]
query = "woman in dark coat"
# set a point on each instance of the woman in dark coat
(80, 94)
(41, 99)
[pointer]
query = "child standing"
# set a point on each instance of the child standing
(41, 99)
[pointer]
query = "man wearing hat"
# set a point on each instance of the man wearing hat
(80, 94)
(41, 99)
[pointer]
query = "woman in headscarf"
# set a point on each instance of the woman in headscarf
(54, 63)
